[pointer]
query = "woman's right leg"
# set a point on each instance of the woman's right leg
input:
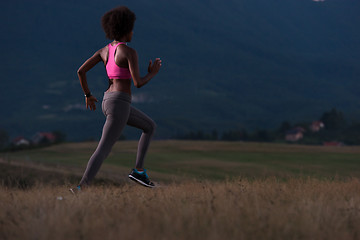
(117, 113)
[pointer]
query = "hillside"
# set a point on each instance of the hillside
(251, 63)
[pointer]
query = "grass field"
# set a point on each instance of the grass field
(178, 160)
(207, 190)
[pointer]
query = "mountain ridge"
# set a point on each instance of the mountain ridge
(227, 64)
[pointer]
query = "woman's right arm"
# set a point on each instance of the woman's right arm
(89, 64)
(153, 69)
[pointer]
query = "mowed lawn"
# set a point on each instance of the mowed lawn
(210, 160)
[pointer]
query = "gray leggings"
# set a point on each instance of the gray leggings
(117, 108)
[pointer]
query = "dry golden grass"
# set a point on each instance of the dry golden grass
(234, 209)
(286, 192)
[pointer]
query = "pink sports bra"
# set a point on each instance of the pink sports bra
(114, 71)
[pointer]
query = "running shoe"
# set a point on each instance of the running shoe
(75, 190)
(141, 178)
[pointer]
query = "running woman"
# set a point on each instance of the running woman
(121, 64)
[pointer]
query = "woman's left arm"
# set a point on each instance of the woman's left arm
(88, 64)
(133, 61)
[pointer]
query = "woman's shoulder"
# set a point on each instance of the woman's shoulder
(103, 52)
(132, 50)
(104, 49)
(127, 49)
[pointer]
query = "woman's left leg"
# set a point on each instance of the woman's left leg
(142, 121)
(116, 110)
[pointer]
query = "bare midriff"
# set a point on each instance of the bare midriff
(120, 85)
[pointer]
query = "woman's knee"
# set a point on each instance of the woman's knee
(151, 127)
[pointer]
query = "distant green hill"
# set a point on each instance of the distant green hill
(227, 64)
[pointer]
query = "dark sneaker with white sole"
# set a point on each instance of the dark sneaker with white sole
(141, 178)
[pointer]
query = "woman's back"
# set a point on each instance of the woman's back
(116, 64)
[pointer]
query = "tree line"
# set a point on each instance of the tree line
(336, 129)
(38, 140)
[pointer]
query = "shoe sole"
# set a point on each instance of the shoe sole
(140, 182)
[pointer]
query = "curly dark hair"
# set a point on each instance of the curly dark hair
(118, 22)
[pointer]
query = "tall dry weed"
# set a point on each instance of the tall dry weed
(234, 209)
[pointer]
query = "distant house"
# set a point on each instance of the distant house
(316, 126)
(333, 144)
(294, 134)
(43, 137)
(20, 141)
